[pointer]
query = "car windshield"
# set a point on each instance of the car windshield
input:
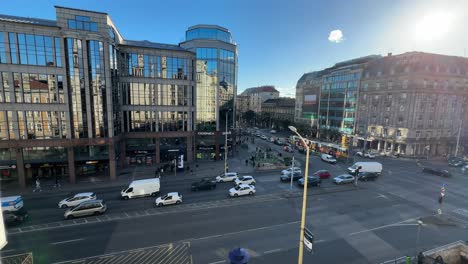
(163, 197)
(237, 188)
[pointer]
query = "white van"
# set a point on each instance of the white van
(11, 203)
(140, 188)
(375, 167)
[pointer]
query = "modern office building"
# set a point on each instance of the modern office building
(307, 98)
(414, 103)
(76, 97)
(216, 82)
(338, 94)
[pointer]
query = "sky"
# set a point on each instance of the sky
(279, 41)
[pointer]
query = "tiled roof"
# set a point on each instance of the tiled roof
(28, 20)
(154, 45)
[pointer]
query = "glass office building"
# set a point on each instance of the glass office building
(216, 78)
(91, 101)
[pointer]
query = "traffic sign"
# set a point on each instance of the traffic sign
(308, 239)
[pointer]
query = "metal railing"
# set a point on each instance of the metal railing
(25, 258)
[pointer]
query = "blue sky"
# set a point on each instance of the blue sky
(280, 40)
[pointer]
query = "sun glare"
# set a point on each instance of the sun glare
(433, 26)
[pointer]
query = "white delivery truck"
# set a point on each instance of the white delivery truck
(140, 188)
(374, 167)
(11, 203)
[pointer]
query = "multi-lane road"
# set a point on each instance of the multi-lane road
(374, 222)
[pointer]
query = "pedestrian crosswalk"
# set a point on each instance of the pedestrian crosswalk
(178, 253)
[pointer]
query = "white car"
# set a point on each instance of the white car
(272, 139)
(272, 131)
(243, 189)
(296, 170)
(369, 155)
(170, 198)
(263, 137)
(227, 177)
(245, 180)
(344, 178)
(328, 158)
(359, 153)
(76, 199)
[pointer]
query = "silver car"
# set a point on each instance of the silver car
(93, 207)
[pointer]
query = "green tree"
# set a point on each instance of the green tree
(249, 116)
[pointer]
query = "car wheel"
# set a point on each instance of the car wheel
(125, 198)
(178, 202)
(97, 213)
(250, 193)
(236, 195)
(63, 206)
(160, 204)
(70, 217)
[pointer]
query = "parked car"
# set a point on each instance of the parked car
(204, 184)
(91, 207)
(287, 177)
(367, 176)
(289, 170)
(141, 188)
(76, 199)
(273, 131)
(344, 178)
(437, 171)
(322, 174)
(360, 153)
(170, 198)
(227, 177)
(272, 139)
(328, 158)
(242, 189)
(279, 142)
(13, 218)
(311, 181)
(245, 180)
(263, 137)
(369, 155)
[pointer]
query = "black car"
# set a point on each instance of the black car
(437, 171)
(204, 184)
(367, 176)
(15, 217)
(311, 181)
(287, 177)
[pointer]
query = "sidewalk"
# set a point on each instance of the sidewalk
(130, 173)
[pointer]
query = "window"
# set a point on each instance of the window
(405, 84)
(418, 134)
(398, 133)
(82, 23)
(402, 108)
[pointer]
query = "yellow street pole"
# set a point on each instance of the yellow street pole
(304, 198)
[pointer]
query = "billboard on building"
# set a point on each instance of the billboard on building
(310, 104)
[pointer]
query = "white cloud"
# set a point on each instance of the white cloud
(287, 92)
(336, 36)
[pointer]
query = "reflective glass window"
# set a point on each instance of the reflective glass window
(13, 47)
(2, 49)
(71, 24)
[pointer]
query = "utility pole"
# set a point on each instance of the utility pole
(458, 137)
(292, 172)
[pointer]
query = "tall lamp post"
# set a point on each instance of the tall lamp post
(304, 197)
(225, 85)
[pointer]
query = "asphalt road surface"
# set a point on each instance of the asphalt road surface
(371, 223)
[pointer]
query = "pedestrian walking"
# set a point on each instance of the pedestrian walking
(38, 186)
(246, 162)
(57, 184)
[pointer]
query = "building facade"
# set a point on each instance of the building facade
(216, 82)
(279, 108)
(338, 95)
(77, 98)
(258, 95)
(307, 98)
(415, 104)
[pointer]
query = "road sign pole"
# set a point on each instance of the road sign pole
(292, 172)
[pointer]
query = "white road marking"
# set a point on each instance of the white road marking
(272, 251)
(382, 196)
(67, 241)
(248, 230)
(380, 227)
(217, 262)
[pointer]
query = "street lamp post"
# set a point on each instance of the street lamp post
(225, 144)
(304, 197)
(420, 223)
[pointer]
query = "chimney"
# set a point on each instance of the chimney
(389, 54)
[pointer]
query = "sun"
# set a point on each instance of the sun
(433, 26)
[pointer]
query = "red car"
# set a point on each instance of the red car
(322, 174)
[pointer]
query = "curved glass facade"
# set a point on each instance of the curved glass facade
(208, 33)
